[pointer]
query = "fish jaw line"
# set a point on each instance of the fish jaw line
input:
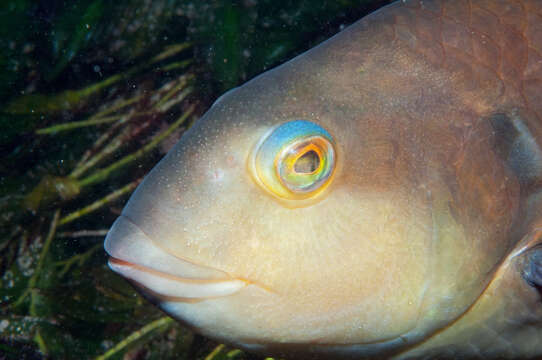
(135, 256)
(173, 287)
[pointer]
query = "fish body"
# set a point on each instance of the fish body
(375, 197)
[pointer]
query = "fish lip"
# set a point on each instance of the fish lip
(175, 288)
(136, 257)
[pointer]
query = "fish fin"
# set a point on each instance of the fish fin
(517, 145)
(528, 258)
(532, 267)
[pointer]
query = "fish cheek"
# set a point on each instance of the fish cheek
(353, 256)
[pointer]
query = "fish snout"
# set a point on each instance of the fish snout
(135, 256)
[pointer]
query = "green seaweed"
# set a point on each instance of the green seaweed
(14, 20)
(48, 262)
(71, 31)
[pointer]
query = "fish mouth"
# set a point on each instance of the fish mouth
(134, 256)
(170, 286)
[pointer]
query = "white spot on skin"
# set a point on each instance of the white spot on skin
(217, 175)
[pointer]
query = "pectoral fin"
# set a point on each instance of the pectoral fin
(532, 271)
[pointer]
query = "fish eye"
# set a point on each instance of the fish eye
(307, 163)
(295, 160)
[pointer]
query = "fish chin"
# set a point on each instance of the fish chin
(137, 258)
(223, 320)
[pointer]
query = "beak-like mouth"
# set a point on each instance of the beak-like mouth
(134, 256)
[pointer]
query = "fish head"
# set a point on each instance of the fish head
(324, 208)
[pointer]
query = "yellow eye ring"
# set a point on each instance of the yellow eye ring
(296, 160)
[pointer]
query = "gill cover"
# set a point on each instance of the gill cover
(295, 160)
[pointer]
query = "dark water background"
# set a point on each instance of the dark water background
(92, 94)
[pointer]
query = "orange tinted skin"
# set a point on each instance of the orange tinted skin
(416, 246)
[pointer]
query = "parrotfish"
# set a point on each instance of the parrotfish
(379, 196)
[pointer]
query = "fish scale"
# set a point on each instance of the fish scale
(504, 36)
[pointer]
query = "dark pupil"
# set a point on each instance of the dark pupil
(307, 163)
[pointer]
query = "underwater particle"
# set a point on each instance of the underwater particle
(7, 280)
(3, 325)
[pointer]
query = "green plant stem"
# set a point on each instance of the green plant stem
(44, 251)
(106, 135)
(41, 343)
(176, 65)
(99, 203)
(69, 99)
(117, 106)
(177, 99)
(170, 51)
(216, 351)
(79, 258)
(78, 124)
(37, 336)
(97, 119)
(103, 174)
(136, 335)
(86, 164)
(109, 149)
(182, 83)
(82, 233)
(94, 88)
(234, 353)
